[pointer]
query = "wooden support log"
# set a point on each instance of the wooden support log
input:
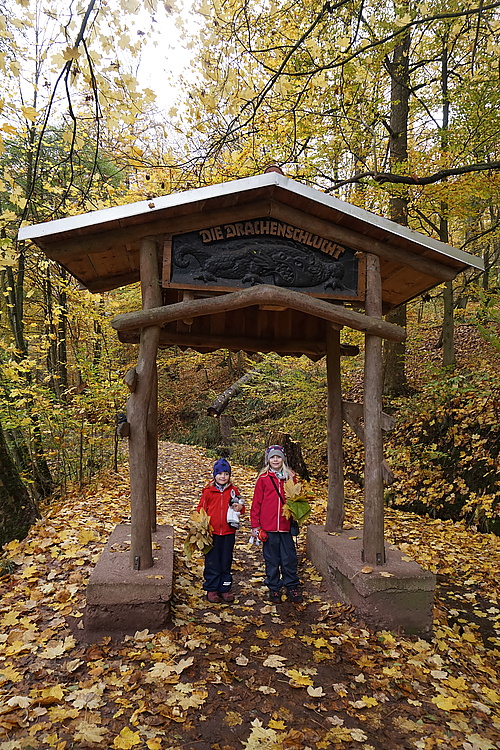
(130, 379)
(142, 415)
(335, 508)
(373, 523)
(219, 404)
(259, 295)
(352, 413)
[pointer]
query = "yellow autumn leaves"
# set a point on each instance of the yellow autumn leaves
(297, 505)
(199, 535)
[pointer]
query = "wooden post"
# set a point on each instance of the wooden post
(335, 508)
(142, 415)
(373, 525)
(152, 446)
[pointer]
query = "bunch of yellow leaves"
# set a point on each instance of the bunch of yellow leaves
(297, 505)
(199, 536)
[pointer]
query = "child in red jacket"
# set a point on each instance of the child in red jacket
(279, 551)
(216, 498)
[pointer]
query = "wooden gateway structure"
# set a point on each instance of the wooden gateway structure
(258, 264)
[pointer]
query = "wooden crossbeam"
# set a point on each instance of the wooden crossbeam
(260, 295)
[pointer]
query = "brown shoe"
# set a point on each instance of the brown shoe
(227, 596)
(213, 597)
(294, 596)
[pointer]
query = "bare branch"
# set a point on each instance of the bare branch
(443, 174)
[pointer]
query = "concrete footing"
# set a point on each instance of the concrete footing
(120, 599)
(398, 595)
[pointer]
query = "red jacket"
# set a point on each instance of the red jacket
(216, 503)
(267, 509)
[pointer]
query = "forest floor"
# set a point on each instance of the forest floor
(248, 675)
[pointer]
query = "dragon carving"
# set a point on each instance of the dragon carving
(256, 262)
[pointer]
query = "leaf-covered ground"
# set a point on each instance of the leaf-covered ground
(251, 674)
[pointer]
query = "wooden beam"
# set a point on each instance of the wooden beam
(352, 413)
(142, 416)
(260, 295)
(358, 241)
(314, 347)
(335, 508)
(373, 524)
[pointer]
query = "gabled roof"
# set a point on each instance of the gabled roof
(101, 248)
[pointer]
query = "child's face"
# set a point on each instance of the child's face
(222, 478)
(275, 462)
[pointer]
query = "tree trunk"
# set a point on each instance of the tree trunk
(395, 382)
(17, 512)
(398, 67)
(448, 307)
(219, 404)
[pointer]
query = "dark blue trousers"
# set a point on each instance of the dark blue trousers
(280, 557)
(218, 562)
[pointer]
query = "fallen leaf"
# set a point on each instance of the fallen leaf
(127, 739)
(87, 732)
(315, 692)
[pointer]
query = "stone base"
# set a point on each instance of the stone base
(121, 599)
(401, 601)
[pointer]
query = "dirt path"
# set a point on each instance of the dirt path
(246, 676)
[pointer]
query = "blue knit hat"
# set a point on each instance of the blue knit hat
(220, 466)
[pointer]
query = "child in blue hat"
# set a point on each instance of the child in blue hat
(217, 498)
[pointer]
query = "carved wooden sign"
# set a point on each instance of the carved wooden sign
(261, 251)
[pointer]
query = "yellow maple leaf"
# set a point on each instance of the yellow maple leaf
(292, 489)
(273, 724)
(447, 702)
(9, 619)
(297, 679)
(232, 719)
(55, 691)
(8, 674)
(368, 701)
(320, 643)
(262, 634)
(457, 683)
(87, 732)
(30, 113)
(71, 53)
(126, 739)
(85, 536)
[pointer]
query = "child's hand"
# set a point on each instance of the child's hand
(255, 531)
